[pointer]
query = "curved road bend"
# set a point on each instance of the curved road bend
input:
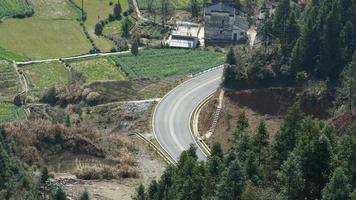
(171, 119)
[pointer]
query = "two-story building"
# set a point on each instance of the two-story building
(222, 23)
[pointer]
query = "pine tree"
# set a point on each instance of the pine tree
(291, 178)
(194, 8)
(125, 28)
(286, 138)
(152, 193)
(60, 195)
(230, 57)
(292, 33)
(280, 19)
(140, 193)
(98, 29)
(347, 93)
(261, 140)
(134, 47)
(330, 57)
(338, 187)
(117, 11)
(68, 123)
(232, 182)
(85, 195)
(44, 175)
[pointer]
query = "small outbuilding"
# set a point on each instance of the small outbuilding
(185, 35)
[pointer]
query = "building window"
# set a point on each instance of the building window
(221, 32)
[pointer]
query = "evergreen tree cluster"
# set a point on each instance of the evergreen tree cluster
(306, 160)
(316, 42)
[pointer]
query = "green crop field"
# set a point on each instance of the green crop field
(167, 63)
(53, 31)
(13, 8)
(9, 111)
(43, 76)
(98, 69)
(99, 9)
(9, 81)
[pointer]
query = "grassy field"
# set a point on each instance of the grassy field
(158, 64)
(9, 111)
(9, 82)
(101, 9)
(8, 55)
(43, 76)
(13, 7)
(98, 69)
(52, 32)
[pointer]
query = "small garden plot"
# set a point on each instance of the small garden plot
(13, 8)
(9, 111)
(156, 64)
(45, 75)
(98, 69)
(9, 82)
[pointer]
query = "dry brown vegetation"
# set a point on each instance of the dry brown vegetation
(37, 142)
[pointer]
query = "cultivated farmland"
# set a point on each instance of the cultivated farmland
(13, 8)
(9, 111)
(9, 82)
(43, 76)
(98, 69)
(8, 55)
(158, 64)
(53, 31)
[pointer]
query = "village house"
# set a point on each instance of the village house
(223, 24)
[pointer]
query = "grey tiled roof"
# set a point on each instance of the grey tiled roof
(220, 7)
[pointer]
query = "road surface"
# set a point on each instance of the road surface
(171, 119)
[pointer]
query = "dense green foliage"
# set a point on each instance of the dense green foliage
(313, 42)
(15, 183)
(167, 63)
(305, 161)
(11, 8)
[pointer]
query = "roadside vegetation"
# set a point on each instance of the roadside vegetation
(9, 111)
(43, 76)
(159, 64)
(100, 69)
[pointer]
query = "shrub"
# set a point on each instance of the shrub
(93, 98)
(111, 17)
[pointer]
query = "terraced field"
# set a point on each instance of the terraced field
(157, 64)
(45, 75)
(98, 69)
(9, 82)
(13, 8)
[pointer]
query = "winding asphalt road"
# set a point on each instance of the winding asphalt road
(172, 116)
